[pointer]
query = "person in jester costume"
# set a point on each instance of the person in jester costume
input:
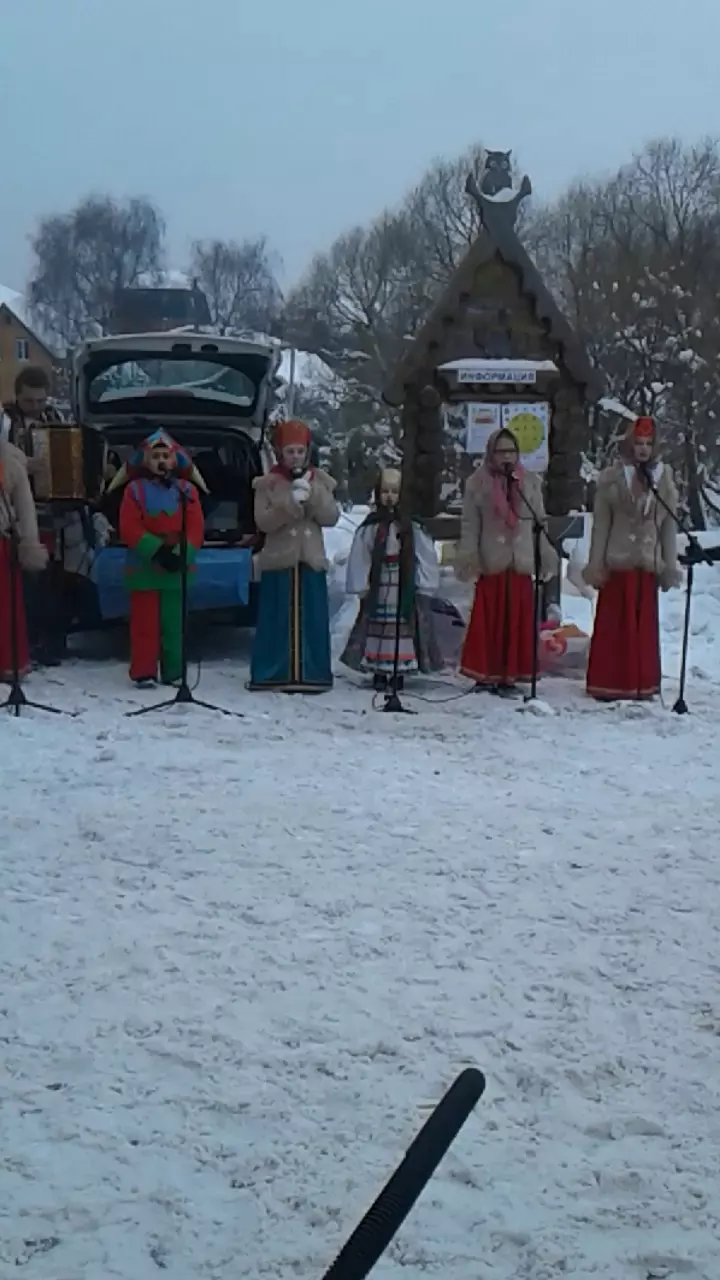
(151, 527)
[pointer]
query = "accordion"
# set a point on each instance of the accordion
(72, 461)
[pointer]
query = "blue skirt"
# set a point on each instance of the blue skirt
(291, 647)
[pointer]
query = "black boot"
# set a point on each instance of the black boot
(46, 656)
(506, 691)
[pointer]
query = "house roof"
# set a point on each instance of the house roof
(497, 236)
(15, 302)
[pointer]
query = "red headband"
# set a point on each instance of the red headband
(643, 429)
(291, 432)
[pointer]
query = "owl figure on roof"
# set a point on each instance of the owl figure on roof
(496, 186)
(497, 174)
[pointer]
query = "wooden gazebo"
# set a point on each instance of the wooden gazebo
(495, 319)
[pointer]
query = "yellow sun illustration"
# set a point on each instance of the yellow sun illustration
(528, 430)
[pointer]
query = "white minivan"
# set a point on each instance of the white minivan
(213, 394)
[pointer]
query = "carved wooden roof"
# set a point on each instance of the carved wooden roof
(497, 237)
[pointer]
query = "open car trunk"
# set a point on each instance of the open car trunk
(228, 461)
(212, 395)
(174, 378)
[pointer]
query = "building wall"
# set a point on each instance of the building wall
(18, 348)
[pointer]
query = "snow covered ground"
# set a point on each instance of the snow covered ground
(239, 957)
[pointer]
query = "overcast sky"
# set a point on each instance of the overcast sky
(299, 118)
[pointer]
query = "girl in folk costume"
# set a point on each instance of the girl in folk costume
(18, 520)
(497, 551)
(390, 555)
(633, 551)
(293, 504)
(160, 501)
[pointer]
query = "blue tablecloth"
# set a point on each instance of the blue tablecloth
(221, 580)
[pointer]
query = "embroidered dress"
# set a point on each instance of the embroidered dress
(383, 620)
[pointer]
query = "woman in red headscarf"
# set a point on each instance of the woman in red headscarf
(633, 551)
(497, 552)
(293, 504)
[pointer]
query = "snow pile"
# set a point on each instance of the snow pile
(311, 371)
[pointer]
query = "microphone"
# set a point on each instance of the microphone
(297, 473)
(643, 470)
(510, 478)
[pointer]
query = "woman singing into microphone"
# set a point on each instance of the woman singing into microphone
(633, 550)
(293, 504)
(393, 568)
(497, 552)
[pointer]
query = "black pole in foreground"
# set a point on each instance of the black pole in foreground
(538, 531)
(695, 555)
(680, 706)
(392, 701)
(17, 698)
(184, 695)
(384, 1218)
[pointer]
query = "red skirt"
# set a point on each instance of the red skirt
(498, 648)
(5, 633)
(625, 648)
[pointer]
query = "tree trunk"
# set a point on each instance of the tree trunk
(695, 506)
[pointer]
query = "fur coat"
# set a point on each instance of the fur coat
(633, 532)
(17, 508)
(293, 534)
(488, 544)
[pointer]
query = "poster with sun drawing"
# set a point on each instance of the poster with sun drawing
(530, 424)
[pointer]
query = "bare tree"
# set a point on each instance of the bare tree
(358, 305)
(363, 301)
(444, 221)
(82, 259)
(635, 262)
(240, 284)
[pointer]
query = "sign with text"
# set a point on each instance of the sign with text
(482, 421)
(500, 373)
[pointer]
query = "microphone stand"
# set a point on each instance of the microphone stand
(695, 555)
(392, 701)
(184, 695)
(17, 698)
(538, 531)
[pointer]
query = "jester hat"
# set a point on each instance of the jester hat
(182, 464)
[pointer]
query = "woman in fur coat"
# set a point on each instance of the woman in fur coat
(633, 552)
(293, 504)
(18, 518)
(497, 552)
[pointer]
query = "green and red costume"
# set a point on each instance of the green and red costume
(151, 527)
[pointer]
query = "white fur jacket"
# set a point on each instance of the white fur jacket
(17, 509)
(632, 532)
(293, 533)
(488, 544)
